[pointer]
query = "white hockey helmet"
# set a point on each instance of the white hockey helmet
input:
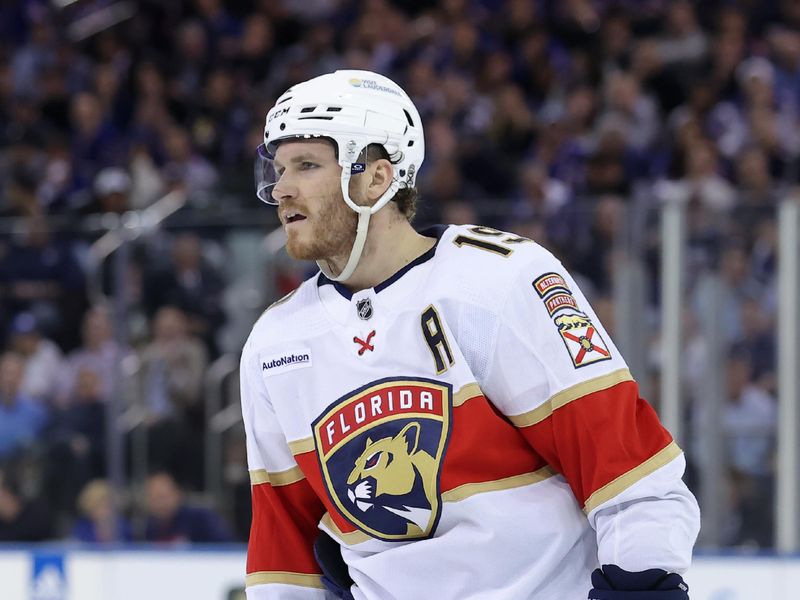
(354, 109)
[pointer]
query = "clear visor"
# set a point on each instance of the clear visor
(265, 175)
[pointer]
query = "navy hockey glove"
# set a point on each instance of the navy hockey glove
(612, 583)
(335, 576)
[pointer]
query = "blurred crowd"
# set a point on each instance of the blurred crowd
(570, 122)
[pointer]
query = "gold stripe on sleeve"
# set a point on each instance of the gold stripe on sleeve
(467, 392)
(259, 476)
(626, 480)
(564, 397)
(277, 478)
(285, 577)
(286, 477)
(301, 446)
(463, 492)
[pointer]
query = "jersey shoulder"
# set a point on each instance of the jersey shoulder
(483, 263)
(296, 316)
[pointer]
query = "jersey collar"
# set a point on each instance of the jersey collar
(435, 231)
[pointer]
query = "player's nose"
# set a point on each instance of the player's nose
(284, 190)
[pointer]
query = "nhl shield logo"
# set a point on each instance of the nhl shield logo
(582, 339)
(364, 308)
(381, 450)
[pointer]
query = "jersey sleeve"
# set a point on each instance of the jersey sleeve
(286, 511)
(556, 375)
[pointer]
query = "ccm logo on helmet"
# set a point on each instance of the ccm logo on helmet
(277, 113)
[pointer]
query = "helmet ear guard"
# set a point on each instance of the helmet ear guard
(359, 108)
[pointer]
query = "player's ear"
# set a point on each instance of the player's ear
(381, 172)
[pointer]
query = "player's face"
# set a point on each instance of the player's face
(318, 223)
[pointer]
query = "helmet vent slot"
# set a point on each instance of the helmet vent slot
(284, 100)
(408, 118)
(315, 117)
(334, 109)
(308, 109)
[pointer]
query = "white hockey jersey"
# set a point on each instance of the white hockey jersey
(466, 429)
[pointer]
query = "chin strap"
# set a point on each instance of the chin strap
(364, 214)
(358, 248)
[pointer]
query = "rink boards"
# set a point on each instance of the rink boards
(212, 573)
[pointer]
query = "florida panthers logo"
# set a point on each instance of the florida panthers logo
(380, 451)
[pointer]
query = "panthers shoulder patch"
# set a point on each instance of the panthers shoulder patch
(581, 337)
(381, 449)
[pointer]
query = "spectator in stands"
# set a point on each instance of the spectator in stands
(78, 437)
(221, 120)
(255, 47)
(22, 417)
(186, 168)
(749, 421)
(755, 182)
(538, 197)
(713, 193)
(21, 519)
(192, 284)
(737, 286)
(758, 342)
(173, 364)
(764, 255)
(21, 193)
(43, 359)
(683, 42)
(749, 418)
(99, 354)
(637, 111)
(593, 256)
(609, 166)
(100, 521)
(95, 141)
(170, 519)
(111, 188)
(173, 367)
(40, 274)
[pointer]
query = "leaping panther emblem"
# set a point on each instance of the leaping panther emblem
(389, 470)
(380, 450)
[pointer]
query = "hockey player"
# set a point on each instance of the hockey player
(437, 414)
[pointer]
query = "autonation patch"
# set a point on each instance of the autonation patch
(280, 362)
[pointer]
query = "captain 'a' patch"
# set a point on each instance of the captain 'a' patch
(380, 450)
(582, 339)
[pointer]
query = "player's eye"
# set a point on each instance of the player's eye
(372, 461)
(306, 165)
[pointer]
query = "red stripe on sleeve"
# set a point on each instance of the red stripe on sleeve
(310, 466)
(284, 528)
(596, 438)
(484, 446)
